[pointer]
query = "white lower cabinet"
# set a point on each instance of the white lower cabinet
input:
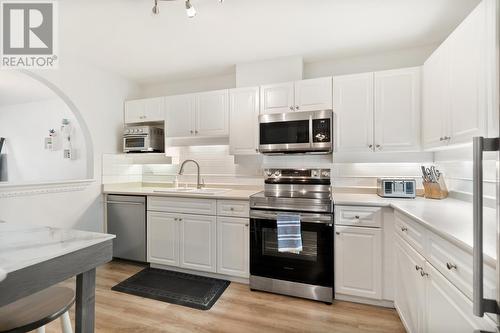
(410, 287)
(197, 242)
(447, 309)
(233, 246)
(163, 238)
(358, 261)
(427, 301)
(202, 242)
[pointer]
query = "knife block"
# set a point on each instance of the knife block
(435, 190)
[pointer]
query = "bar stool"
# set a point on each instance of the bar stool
(35, 311)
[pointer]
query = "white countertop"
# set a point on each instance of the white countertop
(137, 189)
(24, 245)
(450, 218)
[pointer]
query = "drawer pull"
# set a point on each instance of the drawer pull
(356, 217)
(231, 209)
(337, 233)
(404, 229)
(422, 273)
(451, 266)
(418, 268)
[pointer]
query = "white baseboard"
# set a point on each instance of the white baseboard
(207, 274)
(363, 300)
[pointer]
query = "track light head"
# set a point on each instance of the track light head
(156, 9)
(190, 11)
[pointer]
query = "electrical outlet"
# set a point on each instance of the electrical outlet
(68, 154)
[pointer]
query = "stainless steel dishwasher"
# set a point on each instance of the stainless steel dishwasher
(126, 218)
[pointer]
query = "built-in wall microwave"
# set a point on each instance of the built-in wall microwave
(296, 132)
(143, 139)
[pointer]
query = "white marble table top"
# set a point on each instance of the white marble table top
(23, 245)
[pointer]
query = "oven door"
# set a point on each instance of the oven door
(133, 143)
(314, 265)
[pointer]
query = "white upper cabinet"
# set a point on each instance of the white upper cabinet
(377, 111)
(304, 95)
(145, 110)
(353, 109)
(212, 113)
(467, 78)
(180, 115)
(277, 98)
(435, 108)
(397, 110)
(313, 94)
(243, 121)
(458, 101)
(358, 261)
(203, 114)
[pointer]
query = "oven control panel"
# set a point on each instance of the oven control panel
(297, 173)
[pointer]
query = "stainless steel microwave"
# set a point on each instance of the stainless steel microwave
(143, 139)
(296, 132)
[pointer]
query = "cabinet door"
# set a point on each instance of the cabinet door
(313, 94)
(353, 109)
(467, 81)
(212, 113)
(233, 246)
(163, 239)
(436, 103)
(154, 109)
(134, 111)
(179, 119)
(244, 121)
(397, 110)
(198, 242)
(358, 261)
(409, 293)
(277, 98)
(447, 309)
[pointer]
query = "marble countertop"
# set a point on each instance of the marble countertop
(24, 245)
(137, 189)
(450, 218)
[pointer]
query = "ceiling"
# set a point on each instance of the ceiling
(124, 37)
(18, 88)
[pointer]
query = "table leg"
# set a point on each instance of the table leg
(85, 302)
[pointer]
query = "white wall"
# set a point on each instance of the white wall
(99, 97)
(269, 71)
(25, 126)
(369, 62)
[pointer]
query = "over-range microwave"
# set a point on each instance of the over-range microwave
(143, 139)
(296, 132)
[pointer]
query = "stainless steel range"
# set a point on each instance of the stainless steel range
(309, 273)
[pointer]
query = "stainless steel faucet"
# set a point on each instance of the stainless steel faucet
(198, 183)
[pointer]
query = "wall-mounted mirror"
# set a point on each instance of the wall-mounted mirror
(43, 137)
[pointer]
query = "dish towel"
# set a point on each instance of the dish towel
(289, 236)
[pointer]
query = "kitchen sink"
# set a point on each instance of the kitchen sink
(204, 190)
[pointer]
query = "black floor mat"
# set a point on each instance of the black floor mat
(190, 290)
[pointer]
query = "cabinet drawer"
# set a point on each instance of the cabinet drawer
(411, 232)
(238, 208)
(182, 205)
(358, 216)
(456, 265)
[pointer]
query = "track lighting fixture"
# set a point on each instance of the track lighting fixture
(190, 10)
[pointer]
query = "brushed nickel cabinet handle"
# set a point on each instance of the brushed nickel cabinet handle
(191, 131)
(356, 217)
(404, 229)
(418, 268)
(296, 107)
(337, 233)
(196, 132)
(291, 108)
(423, 274)
(451, 266)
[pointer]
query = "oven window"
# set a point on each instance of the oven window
(285, 132)
(321, 130)
(309, 245)
(135, 142)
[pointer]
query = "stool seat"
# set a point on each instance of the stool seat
(34, 311)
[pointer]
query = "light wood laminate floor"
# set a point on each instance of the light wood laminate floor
(237, 310)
